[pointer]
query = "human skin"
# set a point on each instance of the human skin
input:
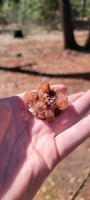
(30, 147)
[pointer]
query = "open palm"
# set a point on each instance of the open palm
(30, 148)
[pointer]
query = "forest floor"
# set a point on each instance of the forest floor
(24, 64)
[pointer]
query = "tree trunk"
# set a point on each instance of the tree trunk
(69, 39)
(67, 25)
(87, 45)
(83, 4)
(1, 2)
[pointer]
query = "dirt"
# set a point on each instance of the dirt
(24, 64)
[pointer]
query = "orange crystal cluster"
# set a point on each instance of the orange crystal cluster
(46, 103)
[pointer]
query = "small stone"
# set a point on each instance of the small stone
(62, 102)
(45, 87)
(49, 115)
(39, 110)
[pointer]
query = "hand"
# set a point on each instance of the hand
(30, 148)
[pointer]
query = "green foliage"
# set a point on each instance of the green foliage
(59, 26)
(13, 11)
(38, 11)
(77, 8)
(9, 11)
(87, 11)
(42, 11)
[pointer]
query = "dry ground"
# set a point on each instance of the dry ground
(24, 63)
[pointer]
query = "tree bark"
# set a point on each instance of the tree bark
(68, 30)
(1, 2)
(87, 45)
(67, 24)
(83, 4)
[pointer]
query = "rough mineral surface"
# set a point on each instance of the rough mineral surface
(46, 103)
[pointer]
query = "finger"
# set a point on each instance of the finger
(72, 114)
(82, 104)
(75, 96)
(68, 140)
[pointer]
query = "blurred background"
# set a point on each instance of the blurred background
(44, 40)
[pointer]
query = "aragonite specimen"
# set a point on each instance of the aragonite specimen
(46, 103)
